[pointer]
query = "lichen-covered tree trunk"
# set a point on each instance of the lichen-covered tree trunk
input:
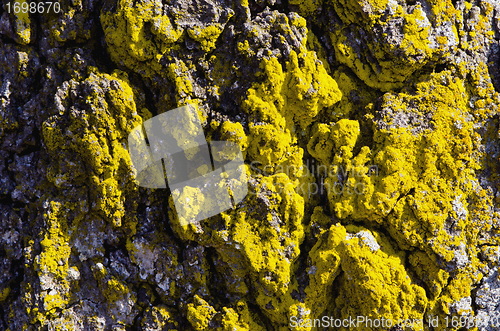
(370, 136)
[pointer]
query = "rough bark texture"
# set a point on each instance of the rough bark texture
(370, 132)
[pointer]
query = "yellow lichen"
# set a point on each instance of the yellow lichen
(386, 64)
(394, 137)
(376, 285)
(286, 99)
(22, 22)
(200, 313)
(131, 43)
(206, 36)
(4, 294)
